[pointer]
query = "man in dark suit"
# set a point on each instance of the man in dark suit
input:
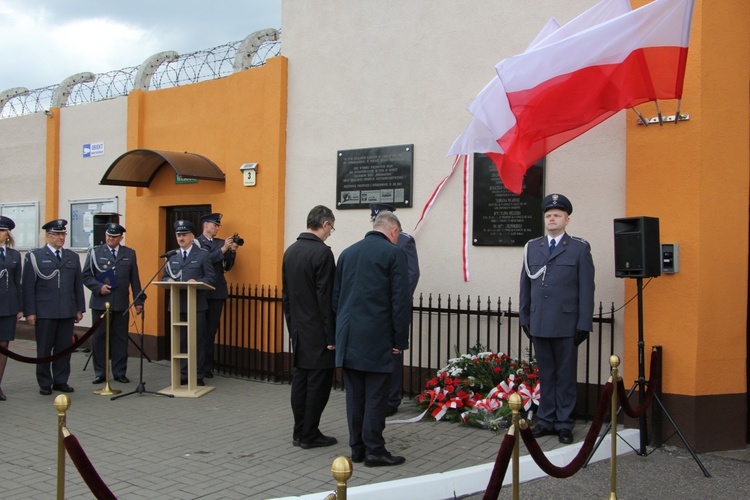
(111, 272)
(556, 311)
(190, 263)
(53, 302)
(222, 254)
(371, 301)
(307, 275)
(409, 246)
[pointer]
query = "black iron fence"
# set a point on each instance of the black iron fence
(253, 343)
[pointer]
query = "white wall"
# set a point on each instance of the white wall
(388, 72)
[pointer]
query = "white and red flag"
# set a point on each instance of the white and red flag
(560, 90)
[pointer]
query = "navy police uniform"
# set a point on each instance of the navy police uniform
(196, 265)
(221, 262)
(409, 246)
(11, 296)
(557, 306)
(103, 263)
(53, 293)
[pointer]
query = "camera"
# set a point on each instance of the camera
(236, 238)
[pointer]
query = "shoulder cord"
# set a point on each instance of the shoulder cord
(4, 274)
(92, 261)
(55, 273)
(541, 272)
(171, 273)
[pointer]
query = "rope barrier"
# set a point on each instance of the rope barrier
(623, 396)
(501, 466)
(86, 469)
(57, 355)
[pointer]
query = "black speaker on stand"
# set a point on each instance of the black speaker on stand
(638, 255)
(101, 220)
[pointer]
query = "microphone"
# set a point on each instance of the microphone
(169, 254)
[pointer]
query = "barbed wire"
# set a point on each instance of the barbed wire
(199, 66)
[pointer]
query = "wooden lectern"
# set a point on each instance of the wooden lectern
(192, 390)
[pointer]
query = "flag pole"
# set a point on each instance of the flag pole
(677, 114)
(658, 112)
(640, 117)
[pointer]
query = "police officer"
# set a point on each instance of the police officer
(556, 311)
(190, 263)
(222, 258)
(53, 302)
(111, 272)
(409, 246)
(11, 295)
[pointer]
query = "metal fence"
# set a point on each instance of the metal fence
(253, 343)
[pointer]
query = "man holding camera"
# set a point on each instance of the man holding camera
(222, 256)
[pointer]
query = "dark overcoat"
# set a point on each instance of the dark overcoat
(60, 294)
(307, 275)
(560, 300)
(372, 303)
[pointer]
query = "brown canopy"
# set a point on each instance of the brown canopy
(138, 167)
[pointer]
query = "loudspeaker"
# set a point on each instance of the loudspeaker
(101, 220)
(637, 247)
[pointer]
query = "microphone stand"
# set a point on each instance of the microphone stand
(141, 388)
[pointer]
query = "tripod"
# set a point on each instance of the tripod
(141, 387)
(641, 384)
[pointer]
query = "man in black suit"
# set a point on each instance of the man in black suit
(190, 263)
(409, 246)
(111, 272)
(307, 275)
(556, 310)
(53, 302)
(222, 254)
(371, 300)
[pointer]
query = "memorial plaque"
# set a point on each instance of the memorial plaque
(503, 218)
(374, 175)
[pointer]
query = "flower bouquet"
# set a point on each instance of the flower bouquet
(474, 389)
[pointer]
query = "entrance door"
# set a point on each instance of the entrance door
(192, 213)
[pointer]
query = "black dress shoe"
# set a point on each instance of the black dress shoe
(565, 436)
(2, 396)
(359, 457)
(62, 387)
(392, 410)
(384, 460)
(541, 431)
(209, 375)
(295, 442)
(320, 442)
(201, 383)
(98, 380)
(122, 379)
(45, 391)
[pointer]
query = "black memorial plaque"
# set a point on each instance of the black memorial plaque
(503, 218)
(374, 175)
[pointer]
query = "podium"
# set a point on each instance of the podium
(177, 389)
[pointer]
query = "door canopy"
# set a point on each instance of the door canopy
(138, 167)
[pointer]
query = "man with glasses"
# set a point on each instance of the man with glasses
(307, 275)
(111, 272)
(53, 302)
(222, 255)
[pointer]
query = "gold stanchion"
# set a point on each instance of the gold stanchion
(614, 362)
(107, 391)
(62, 403)
(341, 470)
(516, 403)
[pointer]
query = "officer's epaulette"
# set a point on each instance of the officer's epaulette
(580, 239)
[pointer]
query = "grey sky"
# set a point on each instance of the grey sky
(45, 41)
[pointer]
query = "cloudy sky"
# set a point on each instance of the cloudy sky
(45, 41)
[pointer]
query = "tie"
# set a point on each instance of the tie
(184, 255)
(551, 246)
(114, 253)
(2, 253)
(57, 254)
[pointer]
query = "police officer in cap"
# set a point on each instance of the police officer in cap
(408, 245)
(11, 296)
(111, 273)
(53, 302)
(556, 311)
(222, 254)
(190, 263)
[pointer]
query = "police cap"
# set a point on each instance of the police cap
(557, 201)
(6, 223)
(215, 218)
(114, 229)
(56, 226)
(183, 226)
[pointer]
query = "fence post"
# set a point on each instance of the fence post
(62, 403)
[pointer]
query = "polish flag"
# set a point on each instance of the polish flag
(561, 90)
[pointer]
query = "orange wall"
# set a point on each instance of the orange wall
(694, 177)
(234, 120)
(52, 186)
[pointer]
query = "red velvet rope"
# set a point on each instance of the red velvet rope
(575, 465)
(623, 396)
(58, 355)
(501, 465)
(86, 469)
